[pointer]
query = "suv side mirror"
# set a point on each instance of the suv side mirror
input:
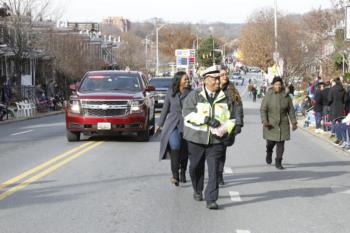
(74, 86)
(150, 88)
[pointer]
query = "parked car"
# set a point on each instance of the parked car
(161, 85)
(237, 79)
(111, 102)
(254, 70)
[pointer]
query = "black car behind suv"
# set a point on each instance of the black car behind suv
(162, 85)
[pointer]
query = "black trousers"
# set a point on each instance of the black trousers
(222, 161)
(183, 155)
(280, 148)
(198, 153)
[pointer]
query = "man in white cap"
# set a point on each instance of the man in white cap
(208, 117)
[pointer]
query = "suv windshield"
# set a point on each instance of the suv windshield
(161, 82)
(110, 83)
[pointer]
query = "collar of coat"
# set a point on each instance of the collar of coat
(218, 98)
(283, 91)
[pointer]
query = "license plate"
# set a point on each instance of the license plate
(104, 126)
(161, 101)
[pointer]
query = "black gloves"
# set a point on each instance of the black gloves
(212, 122)
(237, 129)
(267, 125)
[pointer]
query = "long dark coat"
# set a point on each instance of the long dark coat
(277, 109)
(318, 101)
(336, 99)
(170, 118)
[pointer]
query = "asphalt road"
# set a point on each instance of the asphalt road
(118, 185)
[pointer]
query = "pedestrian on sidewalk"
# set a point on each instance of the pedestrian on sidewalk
(208, 122)
(318, 108)
(171, 120)
(233, 95)
(336, 98)
(276, 111)
(254, 93)
(325, 106)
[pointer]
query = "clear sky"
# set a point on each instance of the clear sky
(230, 11)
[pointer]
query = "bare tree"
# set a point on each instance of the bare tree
(74, 54)
(301, 39)
(19, 34)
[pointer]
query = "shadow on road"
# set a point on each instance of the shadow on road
(279, 194)
(42, 196)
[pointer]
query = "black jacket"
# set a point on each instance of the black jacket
(347, 100)
(324, 97)
(337, 97)
(318, 101)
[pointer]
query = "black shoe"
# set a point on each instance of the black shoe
(198, 196)
(279, 164)
(212, 205)
(174, 181)
(183, 176)
(268, 158)
(221, 179)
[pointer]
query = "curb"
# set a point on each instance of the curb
(325, 140)
(5, 122)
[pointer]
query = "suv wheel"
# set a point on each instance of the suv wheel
(73, 136)
(144, 135)
(153, 124)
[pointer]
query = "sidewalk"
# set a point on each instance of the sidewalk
(36, 116)
(323, 136)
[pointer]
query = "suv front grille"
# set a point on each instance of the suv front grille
(96, 108)
(104, 113)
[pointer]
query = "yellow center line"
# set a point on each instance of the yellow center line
(41, 166)
(46, 172)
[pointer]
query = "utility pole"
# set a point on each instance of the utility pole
(157, 48)
(146, 55)
(213, 52)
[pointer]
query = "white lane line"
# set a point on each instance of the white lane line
(346, 192)
(235, 197)
(228, 170)
(24, 132)
(58, 124)
(242, 231)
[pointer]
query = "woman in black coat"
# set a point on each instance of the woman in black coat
(171, 121)
(336, 98)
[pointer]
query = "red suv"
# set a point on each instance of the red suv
(111, 102)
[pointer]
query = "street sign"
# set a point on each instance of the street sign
(347, 23)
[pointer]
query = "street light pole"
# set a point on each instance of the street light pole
(343, 56)
(146, 49)
(276, 31)
(197, 42)
(146, 55)
(157, 48)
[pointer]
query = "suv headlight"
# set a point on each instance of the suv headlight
(74, 106)
(136, 106)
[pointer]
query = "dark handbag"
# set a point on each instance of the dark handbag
(229, 139)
